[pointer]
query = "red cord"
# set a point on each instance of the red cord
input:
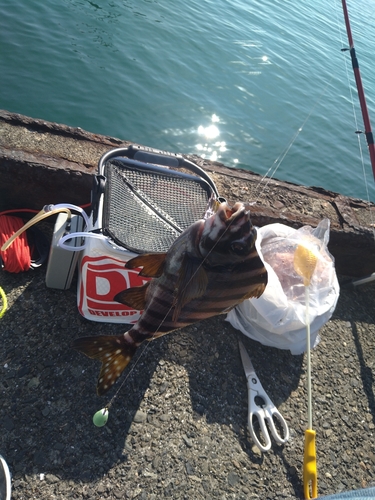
(17, 257)
(19, 210)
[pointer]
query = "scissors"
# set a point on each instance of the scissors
(266, 411)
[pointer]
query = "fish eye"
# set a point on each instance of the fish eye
(238, 247)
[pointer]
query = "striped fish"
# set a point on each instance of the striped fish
(209, 269)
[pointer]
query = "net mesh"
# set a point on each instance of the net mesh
(145, 210)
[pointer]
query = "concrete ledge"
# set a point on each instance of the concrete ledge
(43, 162)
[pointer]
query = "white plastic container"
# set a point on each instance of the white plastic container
(102, 274)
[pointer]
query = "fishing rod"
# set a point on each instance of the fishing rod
(360, 89)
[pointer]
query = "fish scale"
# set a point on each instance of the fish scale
(209, 269)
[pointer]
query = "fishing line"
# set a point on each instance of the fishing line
(276, 164)
(104, 410)
(274, 167)
(102, 415)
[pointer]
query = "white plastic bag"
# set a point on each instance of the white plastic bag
(278, 317)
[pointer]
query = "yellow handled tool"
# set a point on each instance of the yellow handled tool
(310, 475)
(305, 260)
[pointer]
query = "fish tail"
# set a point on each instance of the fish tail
(115, 353)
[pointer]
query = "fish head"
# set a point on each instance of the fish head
(228, 232)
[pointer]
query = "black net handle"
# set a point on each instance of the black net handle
(154, 156)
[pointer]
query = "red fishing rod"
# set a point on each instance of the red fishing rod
(361, 92)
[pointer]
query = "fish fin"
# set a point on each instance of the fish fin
(255, 292)
(192, 283)
(134, 297)
(114, 353)
(152, 263)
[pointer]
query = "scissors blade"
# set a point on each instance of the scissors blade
(246, 361)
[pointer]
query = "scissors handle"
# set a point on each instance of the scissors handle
(274, 414)
(267, 414)
(263, 430)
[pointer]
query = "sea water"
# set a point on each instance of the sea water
(260, 85)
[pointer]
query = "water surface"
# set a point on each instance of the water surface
(241, 82)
